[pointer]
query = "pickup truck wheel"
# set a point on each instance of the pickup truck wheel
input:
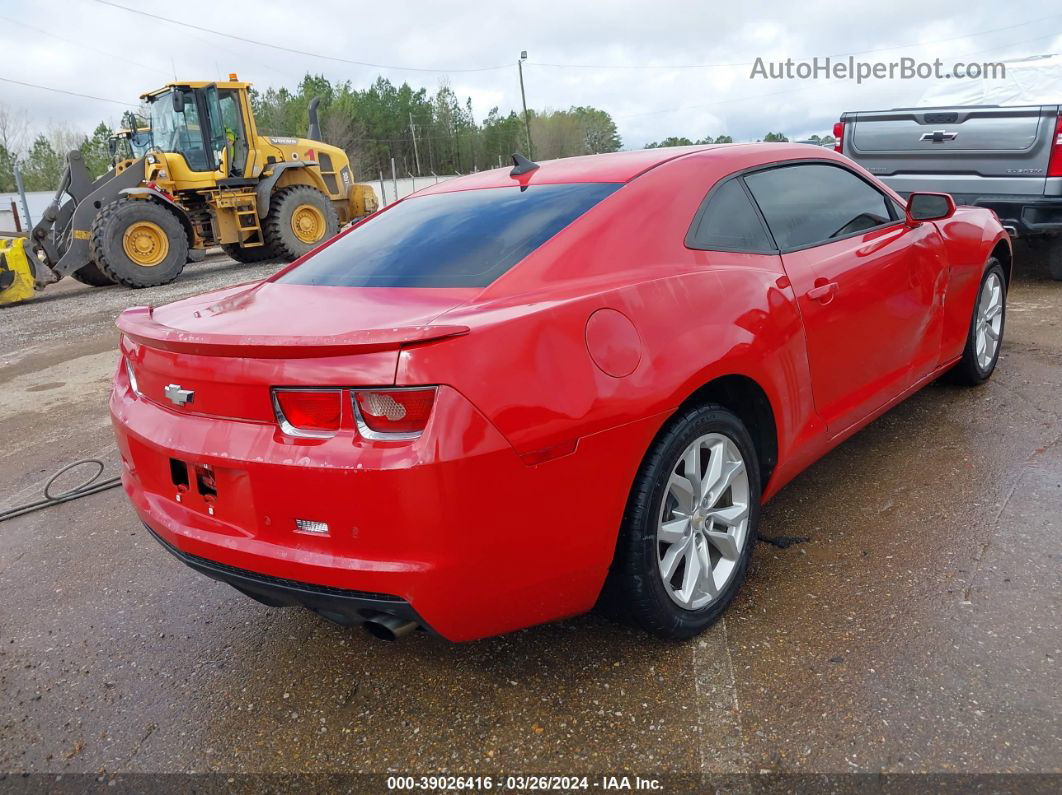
(689, 527)
(985, 336)
(139, 243)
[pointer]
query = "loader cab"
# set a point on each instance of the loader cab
(208, 124)
(126, 146)
(203, 123)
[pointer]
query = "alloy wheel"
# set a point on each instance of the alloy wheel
(989, 323)
(703, 526)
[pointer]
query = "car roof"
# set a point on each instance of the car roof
(613, 166)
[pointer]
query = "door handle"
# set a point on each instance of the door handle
(823, 291)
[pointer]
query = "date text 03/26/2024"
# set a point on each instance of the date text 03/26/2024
(523, 783)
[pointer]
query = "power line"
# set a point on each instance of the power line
(750, 63)
(68, 93)
(808, 87)
(717, 102)
(81, 44)
(1007, 46)
(293, 49)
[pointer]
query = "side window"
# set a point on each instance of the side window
(811, 203)
(729, 221)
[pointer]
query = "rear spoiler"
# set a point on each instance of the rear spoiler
(139, 325)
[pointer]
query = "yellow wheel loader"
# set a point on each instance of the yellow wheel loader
(208, 179)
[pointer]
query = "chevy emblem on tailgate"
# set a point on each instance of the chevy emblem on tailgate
(177, 395)
(938, 136)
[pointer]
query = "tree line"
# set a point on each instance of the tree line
(427, 132)
(42, 158)
(424, 132)
(676, 140)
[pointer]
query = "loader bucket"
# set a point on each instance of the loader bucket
(16, 273)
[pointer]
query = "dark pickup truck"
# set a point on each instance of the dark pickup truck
(1008, 159)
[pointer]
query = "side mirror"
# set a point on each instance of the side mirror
(930, 206)
(178, 101)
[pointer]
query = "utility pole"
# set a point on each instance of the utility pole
(523, 97)
(413, 132)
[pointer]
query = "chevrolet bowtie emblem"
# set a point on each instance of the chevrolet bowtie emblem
(938, 136)
(178, 396)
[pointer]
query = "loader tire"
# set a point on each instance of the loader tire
(92, 276)
(248, 255)
(139, 243)
(300, 218)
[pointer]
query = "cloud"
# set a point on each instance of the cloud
(107, 52)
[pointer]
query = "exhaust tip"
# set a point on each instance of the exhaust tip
(389, 628)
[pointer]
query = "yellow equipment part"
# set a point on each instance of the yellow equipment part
(13, 254)
(363, 200)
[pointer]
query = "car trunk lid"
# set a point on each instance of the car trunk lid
(221, 354)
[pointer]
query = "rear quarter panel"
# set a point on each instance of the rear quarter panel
(698, 315)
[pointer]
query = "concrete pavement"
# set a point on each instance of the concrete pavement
(916, 630)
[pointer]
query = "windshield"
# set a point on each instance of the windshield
(140, 142)
(459, 239)
(180, 132)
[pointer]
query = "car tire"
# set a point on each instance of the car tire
(986, 329)
(92, 275)
(655, 538)
(248, 255)
(299, 207)
(139, 243)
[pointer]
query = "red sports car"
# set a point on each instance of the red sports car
(522, 392)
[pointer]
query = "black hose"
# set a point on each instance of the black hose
(91, 486)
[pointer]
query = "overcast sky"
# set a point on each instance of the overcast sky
(637, 60)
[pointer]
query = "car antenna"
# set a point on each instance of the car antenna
(521, 165)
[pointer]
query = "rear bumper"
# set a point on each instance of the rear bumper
(336, 604)
(454, 525)
(1029, 216)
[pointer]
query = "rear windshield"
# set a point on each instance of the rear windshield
(460, 239)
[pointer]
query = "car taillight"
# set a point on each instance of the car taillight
(1054, 166)
(131, 375)
(838, 133)
(311, 413)
(393, 413)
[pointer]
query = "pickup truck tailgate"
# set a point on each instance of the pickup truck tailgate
(955, 149)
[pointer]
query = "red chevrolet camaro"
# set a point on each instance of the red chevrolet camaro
(522, 392)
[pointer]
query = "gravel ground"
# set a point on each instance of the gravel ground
(916, 630)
